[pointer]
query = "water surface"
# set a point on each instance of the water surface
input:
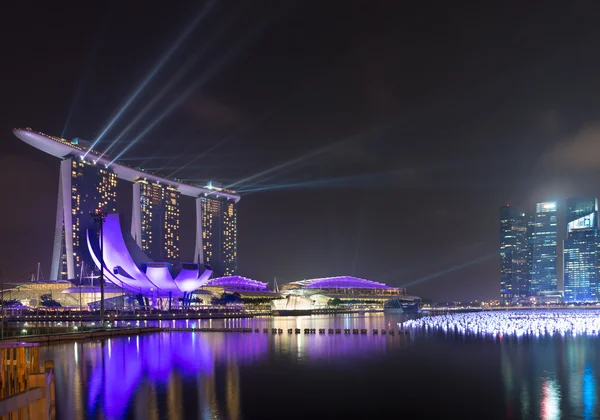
(187, 375)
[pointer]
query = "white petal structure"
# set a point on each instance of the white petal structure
(145, 277)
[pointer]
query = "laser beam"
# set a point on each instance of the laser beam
(352, 180)
(451, 269)
(304, 157)
(231, 54)
(161, 62)
(87, 69)
(180, 73)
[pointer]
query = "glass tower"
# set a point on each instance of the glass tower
(159, 220)
(83, 188)
(514, 255)
(581, 250)
(219, 234)
(543, 269)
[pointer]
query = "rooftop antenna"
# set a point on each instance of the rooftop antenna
(38, 272)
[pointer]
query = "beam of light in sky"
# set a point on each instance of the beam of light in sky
(87, 69)
(328, 182)
(451, 269)
(161, 62)
(147, 157)
(169, 168)
(223, 29)
(251, 125)
(226, 139)
(299, 159)
(230, 55)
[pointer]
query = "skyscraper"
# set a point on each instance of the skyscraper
(157, 231)
(83, 188)
(514, 255)
(543, 270)
(218, 218)
(581, 250)
(88, 182)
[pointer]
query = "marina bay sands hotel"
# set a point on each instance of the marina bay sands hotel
(88, 182)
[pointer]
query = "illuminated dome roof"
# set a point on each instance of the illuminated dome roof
(237, 282)
(126, 266)
(341, 282)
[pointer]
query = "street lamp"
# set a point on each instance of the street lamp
(98, 216)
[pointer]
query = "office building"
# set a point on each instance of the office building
(515, 255)
(544, 270)
(581, 250)
(157, 231)
(83, 188)
(219, 233)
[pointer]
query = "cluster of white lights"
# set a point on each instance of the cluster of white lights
(517, 323)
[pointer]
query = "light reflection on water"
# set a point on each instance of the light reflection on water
(186, 375)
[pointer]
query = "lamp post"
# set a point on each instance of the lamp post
(98, 216)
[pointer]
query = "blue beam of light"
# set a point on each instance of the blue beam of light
(87, 70)
(206, 77)
(161, 168)
(317, 152)
(451, 269)
(248, 127)
(226, 139)
(223, 29)
(353, 180)
(158, 66)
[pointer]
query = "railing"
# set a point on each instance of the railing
(26, 392)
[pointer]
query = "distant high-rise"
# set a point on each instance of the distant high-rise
(82, 189)
(581, 250)
(543, 270)
(157, 231)
(218, 219)
(514, 255)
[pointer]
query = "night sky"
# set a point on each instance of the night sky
(367, 138)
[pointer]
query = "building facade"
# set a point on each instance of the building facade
(544, 271)
(218, 226)
(581, 250)
(515, 255)
(83, 188)
(88, 182)
(155, 227)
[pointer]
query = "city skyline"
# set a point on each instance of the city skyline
(352, 148)
(530, 253)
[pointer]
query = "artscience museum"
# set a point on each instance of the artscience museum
(128, 267)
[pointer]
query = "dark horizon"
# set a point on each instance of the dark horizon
(366, 138)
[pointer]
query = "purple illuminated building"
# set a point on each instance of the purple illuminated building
(238, 283)
(126, 265)
(345, 285)
(88, 181)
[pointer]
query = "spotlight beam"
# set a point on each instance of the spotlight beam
(161, 62)
(302, 158)
(451, 269)
(349, 180)
(87, 69)
(251, 125)
(226, 139)
(230, 55)
(180, 73)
